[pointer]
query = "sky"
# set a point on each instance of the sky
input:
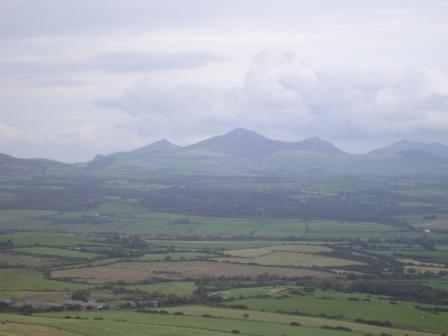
(82, 77)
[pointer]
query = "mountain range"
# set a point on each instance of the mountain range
(245, 152)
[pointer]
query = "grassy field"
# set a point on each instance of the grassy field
(127, 217)
(47, 239)
(308, 321)
(219, 245)
(206, 325)
(172, 256)
(134, 272)
(330, 230)
(17, 279)
(48, 297)
(293, 259)
(247, 292)
(51, 251)
(179, 288)
(18, 215)
(417, 252)
(8, 259)
(258, 252)
(351, 306)
(18, 329)
(288, 255)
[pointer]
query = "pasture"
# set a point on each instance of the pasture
(135, 272)
(351, 307)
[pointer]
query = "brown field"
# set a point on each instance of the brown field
(18, 260)
(135, 272)
(423, 269)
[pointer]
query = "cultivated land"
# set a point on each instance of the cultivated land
(212, 243)
(134, 272)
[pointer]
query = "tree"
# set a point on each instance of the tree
(80, 295)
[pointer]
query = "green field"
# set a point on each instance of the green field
(350, 306)
(287, 319)
(179, 288)
(17, 279)
(293, 259)
(57, 252)
(198, 325)
(47, 239)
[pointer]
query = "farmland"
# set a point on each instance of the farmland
(134, 272)
(147, 269)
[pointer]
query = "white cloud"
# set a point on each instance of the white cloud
(282, 95)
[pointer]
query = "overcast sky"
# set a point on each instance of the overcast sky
(81, 77)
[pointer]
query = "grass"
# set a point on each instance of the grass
(11, 216)
(238, 293)
(288, 255)
(220, 245)
(127, 217)
(172, 256)
(109, 327)
(329, 230)
(196, 325)
(178, 288)
(294, 259)
(257, 252)
(413, 252)
(134, 272)
(47, 239)
(20, 279)
(435, 283)
(42, 296)
(351, 306)
(287, 319)
(51, 251)
(17, 260)
(16, 329)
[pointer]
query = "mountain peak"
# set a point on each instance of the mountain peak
(247, 143)
(162, 145)
(239, 142)
(242, 132)
(319, 145)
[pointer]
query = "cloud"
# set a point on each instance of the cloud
(116, 62)
(145, 62)
(10, 133)
(283, 96)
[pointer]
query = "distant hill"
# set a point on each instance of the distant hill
(10, 165)
(242, 152)
(246, 143)
(436, 149)
(419, 155)
(161, 146)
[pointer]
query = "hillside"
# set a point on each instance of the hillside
(436, 149)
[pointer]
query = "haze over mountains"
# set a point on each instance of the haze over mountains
(245, 152)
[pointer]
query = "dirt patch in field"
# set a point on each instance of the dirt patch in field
(135, 272)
